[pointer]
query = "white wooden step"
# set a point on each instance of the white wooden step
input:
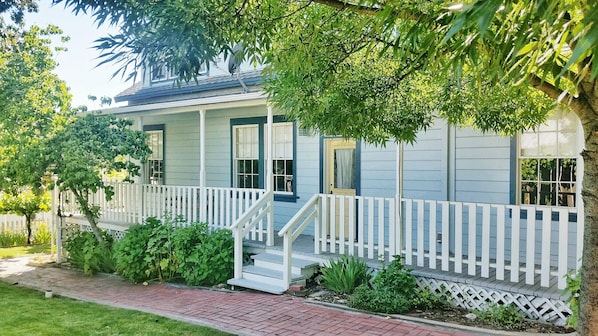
(259, 286)
(268, 275)
(274, 261)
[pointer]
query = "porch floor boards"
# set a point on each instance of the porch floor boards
(304, 246)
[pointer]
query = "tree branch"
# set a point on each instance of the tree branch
(349, 6)
(552, 92)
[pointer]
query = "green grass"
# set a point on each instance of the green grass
(27, 312)
(18, 251)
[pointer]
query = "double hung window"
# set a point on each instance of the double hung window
(548, 162)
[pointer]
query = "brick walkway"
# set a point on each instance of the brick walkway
(242, 313)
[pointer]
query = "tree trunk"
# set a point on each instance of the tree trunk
(28, 223)
(588, 313)
(89, 215)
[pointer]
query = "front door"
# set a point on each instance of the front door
(340, 178)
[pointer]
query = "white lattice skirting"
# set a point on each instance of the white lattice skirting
(475, 297)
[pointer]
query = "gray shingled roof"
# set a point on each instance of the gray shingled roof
(203, 84)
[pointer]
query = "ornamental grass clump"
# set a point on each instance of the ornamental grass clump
(345, 274)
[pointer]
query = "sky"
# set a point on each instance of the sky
(77, 66)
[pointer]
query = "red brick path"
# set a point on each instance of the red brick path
(241, 313)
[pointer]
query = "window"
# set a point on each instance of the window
(548, 162)
(248, 155)
(162, 72)
(246, 158)
(282, 155)
(154, 168)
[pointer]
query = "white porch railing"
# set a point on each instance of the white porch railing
(132, 203)
(483, 240)
(250, 223)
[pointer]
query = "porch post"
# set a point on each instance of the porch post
(398, 200)
(269, 178)
(202, 165)
(140, 179)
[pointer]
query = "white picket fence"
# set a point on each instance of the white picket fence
(17, 224)
(496, 241)
(132, 203)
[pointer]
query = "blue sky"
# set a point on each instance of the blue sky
(77, 66)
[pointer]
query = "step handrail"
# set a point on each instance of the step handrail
(242, 226)
(294, 227)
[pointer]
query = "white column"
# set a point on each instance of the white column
(202, 165)
(398, 199)
(140, 179)
(269, 176)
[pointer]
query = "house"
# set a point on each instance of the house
(482, 217)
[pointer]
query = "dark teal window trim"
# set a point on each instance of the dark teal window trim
(357, 164)
(261, 122)
(159, 127)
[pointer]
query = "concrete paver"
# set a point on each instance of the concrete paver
(241, 313)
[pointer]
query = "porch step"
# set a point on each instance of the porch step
(256, 285)
(270, 276)
(266, 273)
(274, 261)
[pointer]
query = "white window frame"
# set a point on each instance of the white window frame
(545, 130)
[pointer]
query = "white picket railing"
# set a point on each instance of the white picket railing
(251, 225)
(132, 203)
(482, 240)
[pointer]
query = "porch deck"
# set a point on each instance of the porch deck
(304, 246)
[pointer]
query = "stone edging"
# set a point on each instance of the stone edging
(480, 331)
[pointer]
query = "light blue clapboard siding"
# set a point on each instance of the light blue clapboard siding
(181, 146)
(424, 164)
(482, 167)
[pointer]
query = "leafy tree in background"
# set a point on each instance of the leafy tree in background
(546, 45)
(25, 203)
(89, 147)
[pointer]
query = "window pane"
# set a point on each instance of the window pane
(567, 144)
(548, 170)
(529, 144)
(529, 169)
(289, 167)
(567, 169)
(529, 191)
(547, 194)
(548, 144)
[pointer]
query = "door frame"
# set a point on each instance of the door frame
(323, 163)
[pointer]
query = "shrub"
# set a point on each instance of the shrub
(382, 300)
(205, 258)
(392, 292)
(90, 255)
(504, 316)
(42, 235)
(165, 251)
(425, 299)
(345, 274)
(130, 251)
(572, 288)
(9, 238)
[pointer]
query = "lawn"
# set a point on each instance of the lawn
(27, 312)
(17, 251)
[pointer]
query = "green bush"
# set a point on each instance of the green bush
(425, 299)
(573, 287)
(130, 252)
(90, 255)
(504, 316)
(205, 258)
(345, 274)
(9, 238)
(41, 234)
(165, 251)
(381, 300)
(393, 291)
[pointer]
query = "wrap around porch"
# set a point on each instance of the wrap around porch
(491, 248)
